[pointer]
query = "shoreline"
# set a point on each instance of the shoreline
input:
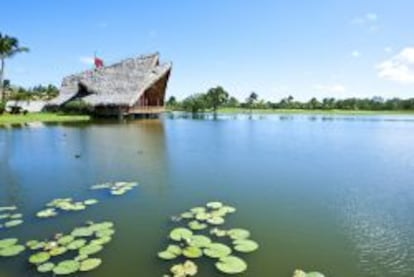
(314, 112)
(40, 117)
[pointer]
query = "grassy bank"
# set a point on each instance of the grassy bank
(300, 111)
(40, 117)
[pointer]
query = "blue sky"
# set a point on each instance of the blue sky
(304, 48)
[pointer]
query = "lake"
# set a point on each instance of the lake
(328, 193)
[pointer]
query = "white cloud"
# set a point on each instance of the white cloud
(368, 20)
(87, 60)
(399, 68)
(388, 49)
(356, 54)
(330, 88)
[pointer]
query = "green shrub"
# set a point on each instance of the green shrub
(76, 107)
(2, 107)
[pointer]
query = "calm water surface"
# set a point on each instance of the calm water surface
(334, 194)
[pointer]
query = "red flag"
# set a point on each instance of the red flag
(98, 62)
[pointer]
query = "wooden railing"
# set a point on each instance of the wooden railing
(146, 110)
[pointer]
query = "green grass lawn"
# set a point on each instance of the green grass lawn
(40, 117)
(299, 111)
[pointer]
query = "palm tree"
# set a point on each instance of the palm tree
(9, 46)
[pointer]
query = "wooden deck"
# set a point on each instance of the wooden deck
(146, 110)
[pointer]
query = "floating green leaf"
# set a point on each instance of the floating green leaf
(195, 225)
(214, 205)
(90, 249)
(57, 251)
(215, 220)
(199, 241)
(46, 267)
(51, 212)
(66, 267)
(238, 233)
(245, 245)
(90, 264)
(179, 234)
(7, 242)
(13, 223)
(66, 240)
(101, 240)
(12, 250)
(76, 244)
(217, 250)
(39, 257)
(8, 208)
(231, 265)
(35, 245)
(82, 232)
(188, 268)
(192, 252)
(90, 202)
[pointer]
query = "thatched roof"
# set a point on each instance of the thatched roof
(117, 84)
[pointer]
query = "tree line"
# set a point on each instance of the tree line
(218, 97)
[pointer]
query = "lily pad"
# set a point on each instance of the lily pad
(90, 264)
(199, 241)
(216, 220)
(4, 216)
(179, 234)
(35, 245)
(81, 258)
(90, 249)
(7, 242)
(187, 215)
(13, 223)
(66, 267)
(57, 251)
(105, 232)
(46, 267)
(39, 258)
(16, 216)
(66, 240)
(300, 273)
(101, 226)
(76, 244)
(188, 268)
(214, 205)
(195, 225)
(238, 233)
(90, 202)
(8, 208)
(217, 250)
(231, 265)
(101, 240)
(245, 245)
(12, 250)
(192, 252)
(218, 232)
(197, 210)
(51, 212)
(82, 232)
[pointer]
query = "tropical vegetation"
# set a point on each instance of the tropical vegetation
(217, 97)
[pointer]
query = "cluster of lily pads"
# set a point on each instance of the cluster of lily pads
(64, 204)
(73, 251)
(202, 238)
(9, 217)
(10, 247)
(117, 188)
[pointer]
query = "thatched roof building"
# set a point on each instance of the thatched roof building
(132, 86)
